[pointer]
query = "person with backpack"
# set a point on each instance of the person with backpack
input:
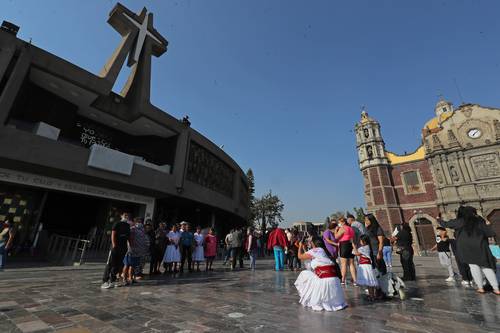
(358, 227)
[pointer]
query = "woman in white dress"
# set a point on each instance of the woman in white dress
(198, 253)
(319, 288)
(172, 254)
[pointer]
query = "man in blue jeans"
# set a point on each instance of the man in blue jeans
(277, 241)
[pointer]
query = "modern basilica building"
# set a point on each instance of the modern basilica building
(74, 153)
(458, 163)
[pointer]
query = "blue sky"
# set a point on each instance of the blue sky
(280, 83)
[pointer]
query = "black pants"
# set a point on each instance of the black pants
(186, 253)
(114, 264)
(153, 261)
(463, 268)
(406, 257)
(236, 254)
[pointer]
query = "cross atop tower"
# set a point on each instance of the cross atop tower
(140, 25)
(140, 41)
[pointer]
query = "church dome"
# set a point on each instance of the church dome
(443, 110)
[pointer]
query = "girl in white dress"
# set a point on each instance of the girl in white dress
(319, 288)
(367, 276)
(198, 253)
(172, 253)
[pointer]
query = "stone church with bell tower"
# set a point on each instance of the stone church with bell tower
(457, 163)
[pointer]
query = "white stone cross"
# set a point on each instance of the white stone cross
(141, 35)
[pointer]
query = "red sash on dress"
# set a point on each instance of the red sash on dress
(364, 260)
(324, 272)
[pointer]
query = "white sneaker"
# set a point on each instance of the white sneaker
(450, 279)
(106, 285)
(117, 284)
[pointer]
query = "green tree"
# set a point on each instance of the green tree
(327, 223)
(359, 214)
(268, 210)
(336, 215)
(251, 197)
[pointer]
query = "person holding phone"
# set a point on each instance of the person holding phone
(319, 288)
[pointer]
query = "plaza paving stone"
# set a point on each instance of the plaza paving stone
(69, 299)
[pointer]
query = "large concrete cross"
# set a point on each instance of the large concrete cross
(141, 36)
(140, 41)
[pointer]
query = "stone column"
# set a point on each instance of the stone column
(181, 158)
(14, 83)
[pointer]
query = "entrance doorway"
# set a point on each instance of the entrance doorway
(425, 234)
(72, 215)
(494, 218)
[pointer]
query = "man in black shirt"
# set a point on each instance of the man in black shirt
(404, 240)
(120, 236)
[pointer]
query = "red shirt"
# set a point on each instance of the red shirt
(277, 237)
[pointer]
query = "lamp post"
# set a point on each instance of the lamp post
(419, 231)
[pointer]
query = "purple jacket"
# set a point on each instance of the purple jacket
(331, 248)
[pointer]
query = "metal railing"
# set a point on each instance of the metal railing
(99, 247)
(67, 250)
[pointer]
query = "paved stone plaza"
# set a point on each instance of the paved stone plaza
(68, 299)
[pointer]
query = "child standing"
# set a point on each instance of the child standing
(365, 273)
(443, 248)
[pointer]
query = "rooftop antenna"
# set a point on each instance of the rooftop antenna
(458, 90)
(440, 95)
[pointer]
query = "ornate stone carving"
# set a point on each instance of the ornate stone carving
(496, 123)
(489, 189)
(427, 145)
(467, 112)
(454, 173)
(486, 166)
(452, 139)
(209, 171)
(436, 142)
(439, 176)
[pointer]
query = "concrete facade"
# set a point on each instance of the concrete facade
(112, 141)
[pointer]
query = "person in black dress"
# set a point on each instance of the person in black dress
(471, 234)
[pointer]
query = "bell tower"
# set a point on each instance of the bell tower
(369, 142)
(443, 106)
(380, 196)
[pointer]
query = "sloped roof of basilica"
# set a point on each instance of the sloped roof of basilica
(417, 155)
(436, 121)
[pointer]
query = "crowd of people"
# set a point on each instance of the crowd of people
(361, 251)
(134, 241)
(367, 246)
